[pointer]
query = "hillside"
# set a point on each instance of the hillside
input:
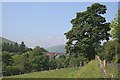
(2, 40)
(90, 70)
(6, 41)
(57, 48)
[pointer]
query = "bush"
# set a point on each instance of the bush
(11, 70)
(112, 50)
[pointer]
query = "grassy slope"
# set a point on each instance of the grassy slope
(91, 70)
(112, 71)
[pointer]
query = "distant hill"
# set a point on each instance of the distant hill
(57, 48)
(6, 41)
(2, 40)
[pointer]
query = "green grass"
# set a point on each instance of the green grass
(112, 71)
(60, 73)
(90, 70)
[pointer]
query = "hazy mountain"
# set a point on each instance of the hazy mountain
(57, 48)
(2, 40)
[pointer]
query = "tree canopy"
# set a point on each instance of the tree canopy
(89, 28)
(115, 27)
(115, 33)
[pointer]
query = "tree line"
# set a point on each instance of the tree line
(16, 62)
(17, 48)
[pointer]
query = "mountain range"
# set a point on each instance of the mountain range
(57, 48)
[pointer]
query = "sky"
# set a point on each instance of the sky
(43, 23)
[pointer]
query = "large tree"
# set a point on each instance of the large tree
(89, 29)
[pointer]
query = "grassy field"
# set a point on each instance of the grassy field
(90, 70)
(112, 71)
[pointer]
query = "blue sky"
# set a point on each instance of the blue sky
(43, 24)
